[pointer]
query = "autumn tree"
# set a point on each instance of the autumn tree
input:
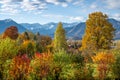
(20, 68)
(45, 40)
(104, 60)
(59, 38)
(42, 41)
(99, 32)
(26, 36)
(11, 32)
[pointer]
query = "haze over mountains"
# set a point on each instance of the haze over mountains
(73, 30)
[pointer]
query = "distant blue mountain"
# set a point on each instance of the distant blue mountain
(116, 25)
(73, 30)
(76, 31)
(9, 22)
(79, 30)
(46, 29)
(31, 26)
(50, 25)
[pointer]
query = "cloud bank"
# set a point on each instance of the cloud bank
(38, 6)
(15, 6)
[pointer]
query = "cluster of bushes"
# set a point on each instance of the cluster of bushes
(32, 65)
(29, 56)
(58, 65)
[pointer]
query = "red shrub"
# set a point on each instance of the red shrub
(20, 67)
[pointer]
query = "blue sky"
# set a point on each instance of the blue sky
(44, 11)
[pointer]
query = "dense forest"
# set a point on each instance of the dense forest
(29, 56)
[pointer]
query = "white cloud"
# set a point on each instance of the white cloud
(53, 2)
(112, 4)
(116, 16)
(61, 17)
(16, 0)
(8, 7)
(78, 2)
(63, 3)
(5, 1)
(27, 5)
(93, 6)
(32, 5)
(78, 18)
(15, 6)
(53, 16)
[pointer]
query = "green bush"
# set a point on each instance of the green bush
(61, 57)
(61, 61)
(116, 65)
(78, 59)
(8, 49)
(68, 72)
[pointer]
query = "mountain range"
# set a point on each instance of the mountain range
(46, 29)
(73, 30)
(9, 22)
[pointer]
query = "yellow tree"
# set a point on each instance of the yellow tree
(99, 32)
(59, 38)
(104, 60)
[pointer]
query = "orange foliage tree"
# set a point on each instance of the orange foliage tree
(20, 67)
(104, 60)
(11, 32)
